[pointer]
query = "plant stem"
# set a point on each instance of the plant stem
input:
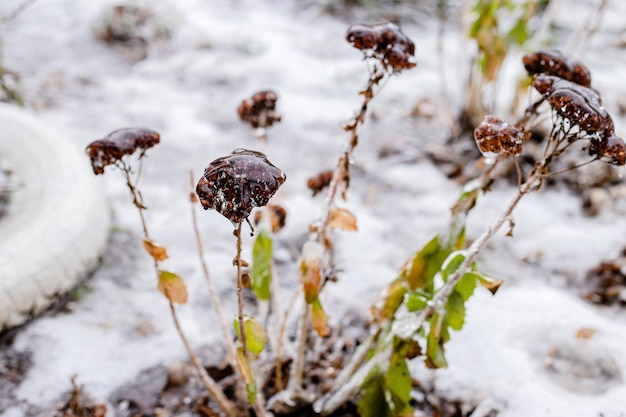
(279, 347)
(242, 324)
(215, 299)
(211, 386)
(297, 368)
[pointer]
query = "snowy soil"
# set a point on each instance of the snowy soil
(518, 351)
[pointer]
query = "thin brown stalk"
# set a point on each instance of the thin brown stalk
(215, 299)
(281, 337)
(227, 406)
(241, 316)
(297, 368)
(209, 383)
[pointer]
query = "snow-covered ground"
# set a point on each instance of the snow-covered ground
(518, 350)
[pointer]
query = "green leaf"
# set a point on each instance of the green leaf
(262, 265)
(519, 32)
(436, 336)
(399, 384)
(421, 269)
(390, 299)
(455, 309)
(416, 301)
(373, 402)
(451, 264)
(255, 334)
(252, 391)
(319, 319)
(467, 285)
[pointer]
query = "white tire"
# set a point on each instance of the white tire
(57, 223)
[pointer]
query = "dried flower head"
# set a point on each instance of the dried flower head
(237, 183)
(319, 182)
(494, 135)
(555, 63)
(384, 42)
(119, 143)
(580, 106)
(259, 110)
(611, 149)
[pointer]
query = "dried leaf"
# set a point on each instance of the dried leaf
(389, 300)
(493, 285)
(319, 319)
(340, 218)
(173, 287)
(246, 374)
(311, 270)
(158, 252)
(585, 333)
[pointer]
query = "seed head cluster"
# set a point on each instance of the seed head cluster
(384, 42)
(260, 109)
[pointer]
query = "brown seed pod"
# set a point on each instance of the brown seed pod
(259, 110)
(555, 63)
(319, 182)
(581, 106)
(611, 149)
(237, 183)
(384, 42)
(119, 143)
(494, 135)
(363, 37)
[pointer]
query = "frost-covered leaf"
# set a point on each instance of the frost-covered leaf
(255, 334)
(416, 301)
(173, 287)
(421, 269)
(311, 270)
(455, 310)
(262, 265)
(158, 252)
(319, 319)
(466, 285)
(373, 402)
(389, 300)
(451, 264)
(435, 357)
(398, 383)
(492, 284)
(340, 218)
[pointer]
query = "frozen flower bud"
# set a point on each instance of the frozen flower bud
(555, 63)
(119, 143)
(259, 110)
(494, 135)
(235, 184)
(384, 42)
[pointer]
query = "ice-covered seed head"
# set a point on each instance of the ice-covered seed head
(555, 63)
(610, 148)
(581, 106)
(384, 42)
(259, 110)
(237, 183)
(494, 135)
(119, 143)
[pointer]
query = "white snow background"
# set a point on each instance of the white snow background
(188, 88)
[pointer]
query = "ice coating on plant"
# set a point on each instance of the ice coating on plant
(580, 106)
(495, 136)
(115, 145)
(260, 109)
(556, 64)
(385, 42)
(235, 184)
(611, 149)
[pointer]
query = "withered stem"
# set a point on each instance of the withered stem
(227, 406)
(215, 299)
(279, 346)
(242, 324)
(297, 368)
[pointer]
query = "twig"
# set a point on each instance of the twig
(217, 305)
(209, 383)
(242, 324)
(281, 337)
(15, 13)
(297, 368)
